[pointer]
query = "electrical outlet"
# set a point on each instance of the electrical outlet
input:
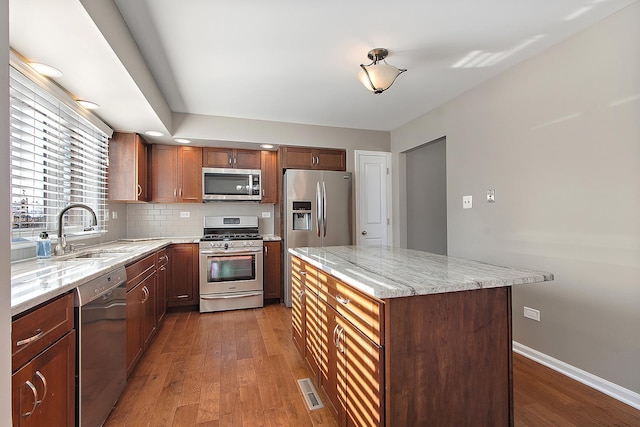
(491, 196)
(185, 214)
(467, 202)
(266, 214)
(532, 313)
(114, 214)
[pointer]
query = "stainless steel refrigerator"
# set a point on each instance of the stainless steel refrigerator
(317, 212)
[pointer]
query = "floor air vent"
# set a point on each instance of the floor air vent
(310, 394)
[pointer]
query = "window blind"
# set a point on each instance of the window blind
(58, 157)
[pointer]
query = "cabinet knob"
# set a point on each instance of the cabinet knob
(364, 232)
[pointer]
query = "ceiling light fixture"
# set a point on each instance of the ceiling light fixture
(378, 76)
(154, 133)
(88, 104)
(182, 140)
(267, 146)
(46, 70)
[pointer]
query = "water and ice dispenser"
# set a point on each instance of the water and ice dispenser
(301, 215)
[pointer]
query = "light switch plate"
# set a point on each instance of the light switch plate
(467, 202)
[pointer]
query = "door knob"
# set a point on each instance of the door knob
(364, 232)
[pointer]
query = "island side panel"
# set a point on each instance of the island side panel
(448, 359)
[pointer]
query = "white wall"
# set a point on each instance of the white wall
(5, 253)
(558, 138)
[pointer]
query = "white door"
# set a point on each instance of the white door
(373, 198)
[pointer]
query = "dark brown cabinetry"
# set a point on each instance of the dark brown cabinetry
(230, 158)
(182, 289)
(43, 362)
(176, 174)
(313, 158)
(128, 168)
(269, 177)
(272, 276)
(141, 308)
(162, 271)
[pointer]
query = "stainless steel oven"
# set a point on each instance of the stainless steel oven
(230, 264)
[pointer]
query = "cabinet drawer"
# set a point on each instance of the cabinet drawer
(364, 312)
(139, 271)
(163, 258)
(33, 332)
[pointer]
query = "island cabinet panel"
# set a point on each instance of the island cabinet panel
(313, 158)
(298, 311)
(448, 359)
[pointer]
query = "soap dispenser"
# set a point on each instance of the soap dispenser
(43, 246)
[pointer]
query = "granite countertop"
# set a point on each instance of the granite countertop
(34, 281)
(271, 238)
(387, 272)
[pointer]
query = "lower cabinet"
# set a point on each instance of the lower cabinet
(162, 274)
(272, 270)
(141, 308)
(44, 359)
(182, 289)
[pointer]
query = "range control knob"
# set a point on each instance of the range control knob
(226, 245)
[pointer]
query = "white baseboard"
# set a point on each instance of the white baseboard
(622, 394)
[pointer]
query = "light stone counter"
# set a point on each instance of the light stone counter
(387, 272)
(35, 281)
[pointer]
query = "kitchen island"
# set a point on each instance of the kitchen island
(401, 337)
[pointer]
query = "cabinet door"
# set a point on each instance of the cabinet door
(161, 281)
(164, 173)
(364, 379)
(272, 274)
(296, 158)
(134, 326)
(328, 159)
(43, 391)
(297, 304)
(269, 177)
(148, 303)
(312, 328)
(182, 288)
(213, 157)
(246, 159)
(189, 189)
(331, 359)
(127, 168)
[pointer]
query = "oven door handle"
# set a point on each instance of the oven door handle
(232, 251)
(251, 294)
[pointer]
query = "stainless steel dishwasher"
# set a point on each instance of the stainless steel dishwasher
(101, 319)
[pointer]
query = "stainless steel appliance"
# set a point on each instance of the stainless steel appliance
(317, 212)
(101, 319)
(230, 264)
(231, 184)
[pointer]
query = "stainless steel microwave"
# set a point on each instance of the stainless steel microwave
(231, 184)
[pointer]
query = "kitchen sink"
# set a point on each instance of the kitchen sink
(96, 255)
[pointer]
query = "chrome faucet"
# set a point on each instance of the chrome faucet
(62, 241)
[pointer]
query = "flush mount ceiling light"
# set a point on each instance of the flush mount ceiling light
(378, 76)
(46, 70)
(267, 146)
(154, 133)
(88, 104)
(182, 140)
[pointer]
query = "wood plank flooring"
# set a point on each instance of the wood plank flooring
(240, 368)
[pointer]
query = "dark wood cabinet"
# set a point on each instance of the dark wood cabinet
(214, 157)
(43, 362)
(162, 271)
(176, 174)
(128, 168)
(141, 308)
(313, 158)
(182, 289)
(269, 177)
(272, 276)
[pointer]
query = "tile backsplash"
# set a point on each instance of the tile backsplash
(171, 220)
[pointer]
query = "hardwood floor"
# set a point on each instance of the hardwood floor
(240, 368)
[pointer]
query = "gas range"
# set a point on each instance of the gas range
(230, 232)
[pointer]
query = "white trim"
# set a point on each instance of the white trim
(622, 394)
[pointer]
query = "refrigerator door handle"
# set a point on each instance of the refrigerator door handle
(318, 208)
(324, 209)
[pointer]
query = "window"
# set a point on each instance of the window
(59, 155)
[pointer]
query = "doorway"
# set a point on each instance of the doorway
(426, 169)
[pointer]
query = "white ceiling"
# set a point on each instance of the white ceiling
(283, 60)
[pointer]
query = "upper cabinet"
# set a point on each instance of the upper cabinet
(230, 158)
(313, 158)
(128, 168)
(269, 177)
(176, 174)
